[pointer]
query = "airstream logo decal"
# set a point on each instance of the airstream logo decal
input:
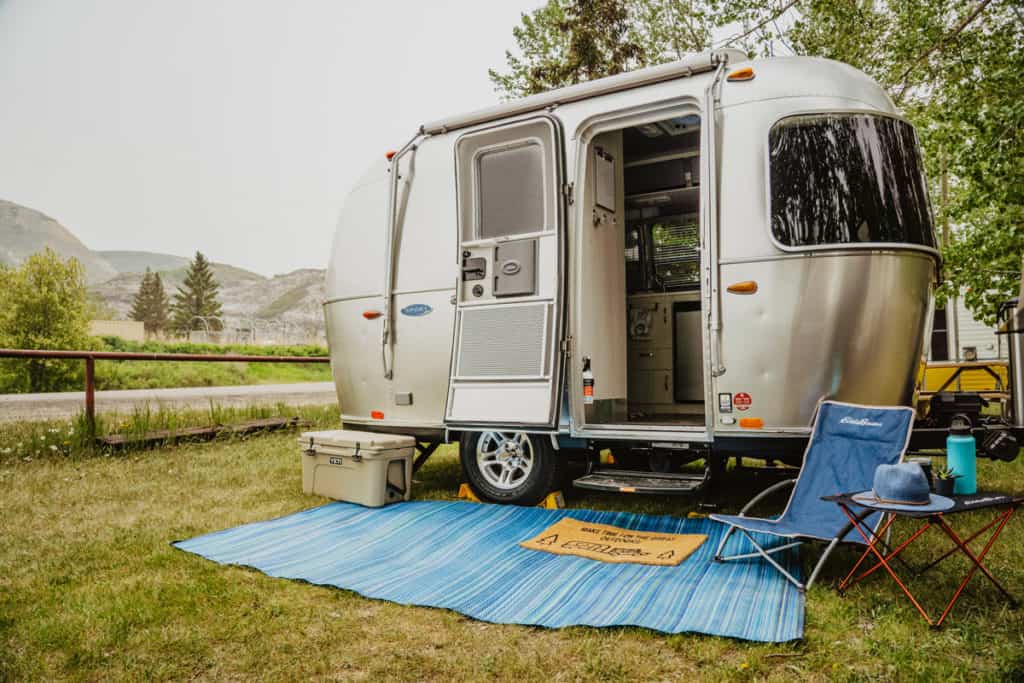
(416, 310)
(862, 422)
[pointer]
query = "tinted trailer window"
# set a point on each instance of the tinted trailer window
(847, 179)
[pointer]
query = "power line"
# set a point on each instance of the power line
(945, 39)
(773, 17)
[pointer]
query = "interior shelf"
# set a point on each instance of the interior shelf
(658, 158)
(681, 199)
(672, 191)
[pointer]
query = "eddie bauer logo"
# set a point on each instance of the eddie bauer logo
(862, 422)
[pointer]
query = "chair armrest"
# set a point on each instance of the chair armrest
(767, 492)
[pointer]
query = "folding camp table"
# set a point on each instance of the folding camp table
(857, 511)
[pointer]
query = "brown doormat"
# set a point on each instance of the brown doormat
(606, 543)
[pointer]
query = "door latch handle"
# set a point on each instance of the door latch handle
(474, 269)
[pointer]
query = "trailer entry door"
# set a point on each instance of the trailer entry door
(506, 366)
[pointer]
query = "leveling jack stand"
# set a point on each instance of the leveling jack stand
(553, 501)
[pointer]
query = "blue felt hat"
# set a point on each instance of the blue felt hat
(902, 487)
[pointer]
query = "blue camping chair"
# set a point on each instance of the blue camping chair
(847, 443)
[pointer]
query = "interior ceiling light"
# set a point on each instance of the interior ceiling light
(680, 124)
(656, 199)
(650, 130)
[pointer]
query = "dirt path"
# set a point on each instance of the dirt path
(15, 407)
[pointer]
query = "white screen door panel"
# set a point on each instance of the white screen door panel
(508, 322)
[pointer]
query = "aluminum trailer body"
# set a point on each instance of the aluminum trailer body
(685, 258)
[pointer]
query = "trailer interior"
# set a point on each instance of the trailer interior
(640, 276)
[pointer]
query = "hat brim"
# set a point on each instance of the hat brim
(935, 503)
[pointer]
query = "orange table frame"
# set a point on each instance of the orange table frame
(873, 539)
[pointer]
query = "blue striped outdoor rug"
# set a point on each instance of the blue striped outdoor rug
(466, 557)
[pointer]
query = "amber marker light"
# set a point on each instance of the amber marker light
(751, 422)
(744, 74)
(388, 154)
(376, 415)
(745, 287)
(371, 315)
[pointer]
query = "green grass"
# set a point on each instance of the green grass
(118, 344)
(90, 589)
(167, 374)
(161, 374)
(71, 439)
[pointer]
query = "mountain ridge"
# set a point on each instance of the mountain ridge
(115, 275)
(25, 231)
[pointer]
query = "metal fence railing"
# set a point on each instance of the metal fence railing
(90, 358)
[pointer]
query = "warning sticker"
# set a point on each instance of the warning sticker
(725, 403)
(606, 543)
(742, 401)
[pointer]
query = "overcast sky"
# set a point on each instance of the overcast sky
(233, 127)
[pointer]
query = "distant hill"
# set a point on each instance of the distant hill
(24, 231)
(138, 261)
(114, 276)
(295, 297)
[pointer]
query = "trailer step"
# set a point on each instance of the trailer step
(628, 481)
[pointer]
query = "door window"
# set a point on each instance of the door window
(511, 188)
(506, 181)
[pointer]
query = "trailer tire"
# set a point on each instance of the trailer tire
(512, 468)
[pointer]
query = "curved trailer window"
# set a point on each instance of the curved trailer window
(847, 179)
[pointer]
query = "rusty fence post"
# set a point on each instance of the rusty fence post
(90, 395)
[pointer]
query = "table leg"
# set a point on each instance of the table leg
(1003, 519)
(846, 582)
(881, 559)
(954, 549)
(895, 551)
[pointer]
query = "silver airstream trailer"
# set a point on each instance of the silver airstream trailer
(674, 263)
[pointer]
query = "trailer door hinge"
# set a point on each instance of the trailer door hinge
(567, 189)
(566, 346)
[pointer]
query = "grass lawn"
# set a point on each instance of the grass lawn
(112, 374)
(91, 589)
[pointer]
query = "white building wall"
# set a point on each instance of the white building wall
(970, 332)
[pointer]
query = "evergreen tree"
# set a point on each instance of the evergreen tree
(197, 297)
(151, 303)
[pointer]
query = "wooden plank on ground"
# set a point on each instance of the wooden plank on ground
(200, 433)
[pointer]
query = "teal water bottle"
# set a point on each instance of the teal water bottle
(961, 456)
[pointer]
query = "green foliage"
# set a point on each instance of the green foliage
(150, 304)
(58, 439)
(97, 308)
(43, 305)
(542, 46)
(573, 41)
(160, 374)
(954, 67)
(119, 344)
(197, 297)
(112, 374)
